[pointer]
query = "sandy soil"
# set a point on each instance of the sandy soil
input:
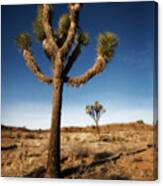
(124, 151)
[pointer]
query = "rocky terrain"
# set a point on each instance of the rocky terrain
(124, 151)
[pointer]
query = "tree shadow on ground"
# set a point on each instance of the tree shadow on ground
(99, 158)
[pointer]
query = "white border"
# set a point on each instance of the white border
(64, 182)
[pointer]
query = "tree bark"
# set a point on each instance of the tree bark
(98, 129)
(53, 165)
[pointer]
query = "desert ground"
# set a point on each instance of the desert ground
(124, 151)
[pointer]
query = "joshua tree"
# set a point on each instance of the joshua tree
(62, 46)
(95, 111)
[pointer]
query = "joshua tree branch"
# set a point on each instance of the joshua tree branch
(47, 48)
(73, 13)
(47, 27)
(94, 70)
(30, 62)
(72, 58)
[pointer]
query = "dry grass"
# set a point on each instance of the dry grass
(124, 151)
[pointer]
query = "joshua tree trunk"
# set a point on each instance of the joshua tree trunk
(53, 165)
(98, 129)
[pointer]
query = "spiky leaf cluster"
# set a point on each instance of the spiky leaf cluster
(37, 25)
(64, 24)
(106, 44)
(95, 110)
(90, 110)
(83, 38)
(23, 41)
(98, 106)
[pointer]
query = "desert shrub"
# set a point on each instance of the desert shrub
(140, 122)
(29, 135)
(82, 154)
(18, 135)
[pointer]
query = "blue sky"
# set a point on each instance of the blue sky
(125, 88)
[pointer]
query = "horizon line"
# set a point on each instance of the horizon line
(84, 126)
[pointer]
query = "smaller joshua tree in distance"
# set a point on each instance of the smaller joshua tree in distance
(95, 111)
